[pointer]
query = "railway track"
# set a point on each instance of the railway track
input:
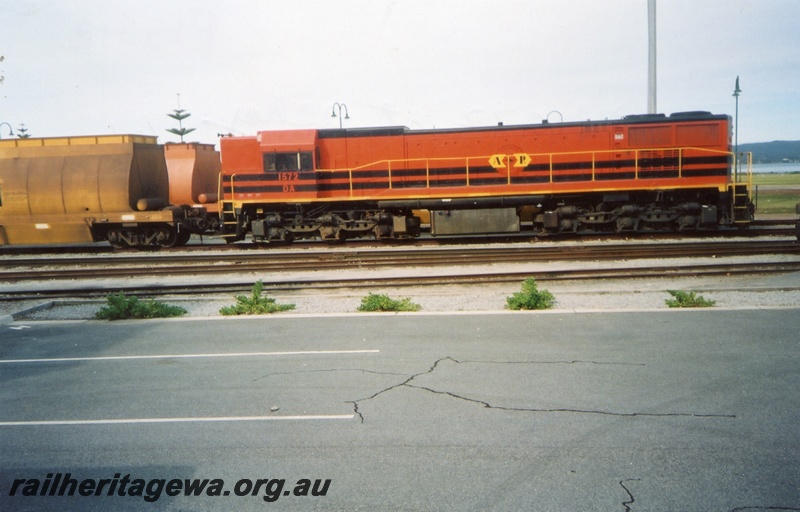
(240, 285)
(233, 271)
(171, 264)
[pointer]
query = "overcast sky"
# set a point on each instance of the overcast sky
(81, 67)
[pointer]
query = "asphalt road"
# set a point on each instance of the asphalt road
(675, 410)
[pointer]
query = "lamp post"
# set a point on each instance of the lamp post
(340, 106)
(736, 92)
(547, 119)
(10, 131)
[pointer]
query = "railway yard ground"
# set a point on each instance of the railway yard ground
(728, 290)
(631, 295)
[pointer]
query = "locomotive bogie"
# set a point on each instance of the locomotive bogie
(331, 225)
(641, 212)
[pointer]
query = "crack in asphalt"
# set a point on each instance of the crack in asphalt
(630, 502)
(408, 383)
(404, 383)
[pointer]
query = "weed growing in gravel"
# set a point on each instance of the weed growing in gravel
(380, 302)
(121, 307)
(688, 300)
(530, 297)
(255, 304)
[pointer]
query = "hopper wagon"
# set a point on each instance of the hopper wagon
(87, 189)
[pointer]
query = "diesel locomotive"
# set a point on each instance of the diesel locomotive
(638, 174)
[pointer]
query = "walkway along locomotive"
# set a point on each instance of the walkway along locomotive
(640, 173)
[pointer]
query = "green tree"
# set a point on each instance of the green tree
(179, 115)
(22, 132)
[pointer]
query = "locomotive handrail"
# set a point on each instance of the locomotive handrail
(748, 174)
(219, 188)
(468, 163)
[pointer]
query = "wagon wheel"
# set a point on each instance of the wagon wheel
(167, 237)
(114, 238)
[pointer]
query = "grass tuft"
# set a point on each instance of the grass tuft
(530, 297)
(121, 307)
(255, 304)
(380, 302)
(688, 300)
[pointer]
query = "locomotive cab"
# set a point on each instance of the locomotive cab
(288, 163)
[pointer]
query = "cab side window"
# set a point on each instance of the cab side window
(280, 162)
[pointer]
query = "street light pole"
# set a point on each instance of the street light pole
(736, 92)
(10, 131)
(340, 106)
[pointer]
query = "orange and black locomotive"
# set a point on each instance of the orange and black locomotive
(640, 173)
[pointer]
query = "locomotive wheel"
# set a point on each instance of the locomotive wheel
(183, 237)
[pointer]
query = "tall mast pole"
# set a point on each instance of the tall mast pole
(651, 69)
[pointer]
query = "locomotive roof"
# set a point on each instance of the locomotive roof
(334, 133)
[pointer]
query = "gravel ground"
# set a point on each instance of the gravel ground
(618, 296)
(733, 291)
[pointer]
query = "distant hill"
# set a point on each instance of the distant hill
(771, 152)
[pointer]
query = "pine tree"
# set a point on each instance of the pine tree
(22, 132)
(179, 115)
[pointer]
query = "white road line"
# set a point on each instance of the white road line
(188, 356)
(176, 420)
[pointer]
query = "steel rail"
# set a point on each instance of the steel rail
(194, 263)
